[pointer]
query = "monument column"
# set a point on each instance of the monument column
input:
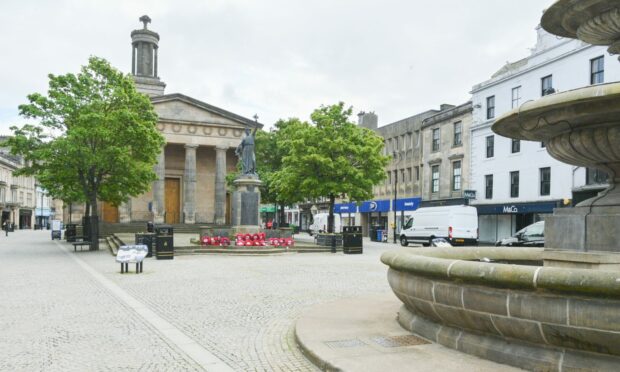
(220, 184)
(158, 206)
(124, 212)
(189, 184)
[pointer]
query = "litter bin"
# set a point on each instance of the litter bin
(352, 240)
(150, 227)
(373, 233)
(147, 239)
(164, 242)
(70, 232)
(380, 235)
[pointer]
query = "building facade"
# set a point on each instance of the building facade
(17, 193)
(198, 154)
(44, 210)
(518, 182)
(445, 156)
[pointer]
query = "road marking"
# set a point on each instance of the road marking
(175, 336)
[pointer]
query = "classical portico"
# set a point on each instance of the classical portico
(200, 138)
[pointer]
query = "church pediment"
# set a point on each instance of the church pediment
(179, 108)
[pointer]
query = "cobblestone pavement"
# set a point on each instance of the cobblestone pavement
(242, 309)
(56, 317)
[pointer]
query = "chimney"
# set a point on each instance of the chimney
(368, 120)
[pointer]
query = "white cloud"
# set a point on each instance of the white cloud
(277, 58)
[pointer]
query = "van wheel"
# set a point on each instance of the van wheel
(403, 241)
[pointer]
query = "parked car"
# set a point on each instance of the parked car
(457, 224)
(530, 236)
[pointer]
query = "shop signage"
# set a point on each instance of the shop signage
(522, 208)
(409, 204)
(345, 208)
(469, 194)
(375, 206)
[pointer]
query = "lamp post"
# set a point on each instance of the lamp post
(41, 224)
(395, 197)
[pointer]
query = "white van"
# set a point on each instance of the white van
(320, 223)
(458, 224)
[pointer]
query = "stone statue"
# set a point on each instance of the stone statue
(245, 152)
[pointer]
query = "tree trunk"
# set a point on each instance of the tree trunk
(94, 223)
(281, 217)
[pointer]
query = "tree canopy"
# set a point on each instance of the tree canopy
(330, 157)
(95, 136)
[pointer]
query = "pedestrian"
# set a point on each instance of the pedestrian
(269, 224)
(5, 226)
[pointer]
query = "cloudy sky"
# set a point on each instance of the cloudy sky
(276, 58)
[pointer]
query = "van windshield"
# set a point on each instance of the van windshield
(408, 223)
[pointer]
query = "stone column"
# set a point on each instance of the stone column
(189, 184)
(220, 184)
(158, 207)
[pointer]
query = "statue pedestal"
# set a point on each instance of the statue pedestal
(245, 205)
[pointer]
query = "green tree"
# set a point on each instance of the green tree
(330, 157)
(270, 150)
(95, 138)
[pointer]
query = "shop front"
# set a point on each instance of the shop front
(374, 215)
(498, 221)
(25, 219)
(403, 208)
(347, 212)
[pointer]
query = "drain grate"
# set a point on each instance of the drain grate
(398, 341)
(341, 344)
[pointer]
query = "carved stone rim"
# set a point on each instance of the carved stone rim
(558, 113)
(565, 17)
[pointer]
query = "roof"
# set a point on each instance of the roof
(207, 107)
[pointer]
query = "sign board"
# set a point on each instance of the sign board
(56, 225)
(469, 194)
(131, 253)
(375, 206)
(545, 207)
(408, 204)
(345, 208)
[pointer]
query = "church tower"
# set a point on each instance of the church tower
(144, 46)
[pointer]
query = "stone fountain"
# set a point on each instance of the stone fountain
(552, 309)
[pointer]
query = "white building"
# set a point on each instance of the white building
(518, 182)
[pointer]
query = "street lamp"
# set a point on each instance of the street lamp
(395, 197)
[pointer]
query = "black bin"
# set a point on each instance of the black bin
(164, 242)
(373, 233)
(70, 232)
(150, 227)
(147, 239)
(352, 240)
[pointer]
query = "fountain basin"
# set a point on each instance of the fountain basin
(525, 315)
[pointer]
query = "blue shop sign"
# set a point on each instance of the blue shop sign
(408, 204)
(375, 206)
(345, 208)
(522, 208)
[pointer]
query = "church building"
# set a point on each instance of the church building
(199, 151)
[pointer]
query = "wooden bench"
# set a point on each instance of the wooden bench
(81, 244)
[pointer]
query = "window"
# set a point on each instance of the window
(456, 176)
(458, 134)
(435, 179)
(490, 146)
(514, 184)
(546, 85)
(402, 139)
(417, 138)
(409, 179)
(395, 143)
(402, 176)
(516, 146)
(597, 70)
(516, 96)
(395, 177)
(436, 137)
(417, 173)
(490, 107)
(488, 186)
(545, 181)
(596, 176)
(389, 178)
